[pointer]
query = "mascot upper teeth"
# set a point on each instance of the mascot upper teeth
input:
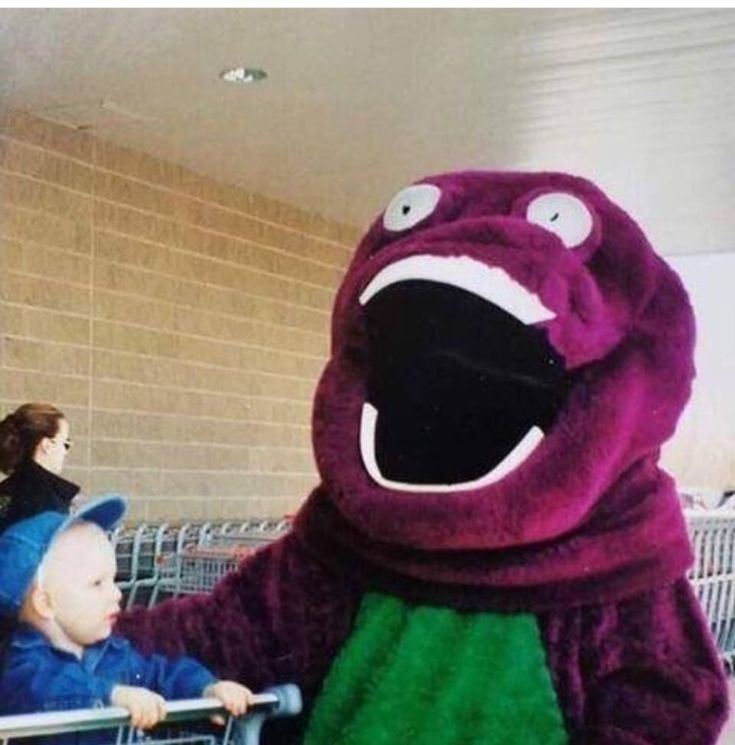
(493, 554)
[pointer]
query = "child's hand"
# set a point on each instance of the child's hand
(234, 697)
(146, 707)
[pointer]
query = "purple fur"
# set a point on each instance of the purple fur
(637, 672)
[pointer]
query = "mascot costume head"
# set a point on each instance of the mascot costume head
(493, 554)
(508, 357)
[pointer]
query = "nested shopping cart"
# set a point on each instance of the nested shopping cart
(147, 569)
(138, 550)
(198, 565)
(712, 533)
(181, 726)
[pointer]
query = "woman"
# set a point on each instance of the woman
(34, 441)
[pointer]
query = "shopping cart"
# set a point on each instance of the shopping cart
(140, 551)
(198, 566)
(712, 533)
(277, 702)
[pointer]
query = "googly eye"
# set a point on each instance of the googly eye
(410, 206)
(562, 214)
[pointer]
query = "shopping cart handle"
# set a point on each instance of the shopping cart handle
(289, 700)
(279, 701)
(288, 703)
(188, 709)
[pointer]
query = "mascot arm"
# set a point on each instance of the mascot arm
(279, 617)
(652, 673)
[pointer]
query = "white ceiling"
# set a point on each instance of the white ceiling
(360, 102)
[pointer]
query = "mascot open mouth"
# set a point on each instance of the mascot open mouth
(463, 384)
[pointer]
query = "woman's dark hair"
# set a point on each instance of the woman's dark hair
(21, 431)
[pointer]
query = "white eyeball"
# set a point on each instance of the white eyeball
(563, 215)
(411, 205)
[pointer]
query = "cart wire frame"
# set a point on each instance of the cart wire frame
(712, 533)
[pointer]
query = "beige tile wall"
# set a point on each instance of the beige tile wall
(180, 323)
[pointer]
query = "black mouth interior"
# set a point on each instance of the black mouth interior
(457, 382)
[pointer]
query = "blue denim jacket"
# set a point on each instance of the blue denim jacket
(38, 677)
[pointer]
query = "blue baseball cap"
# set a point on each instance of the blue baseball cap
(24, 544)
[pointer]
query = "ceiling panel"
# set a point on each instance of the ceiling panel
(360, 102)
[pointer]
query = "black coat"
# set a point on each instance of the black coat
(31, 489)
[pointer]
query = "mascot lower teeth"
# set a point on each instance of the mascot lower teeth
(493, 554)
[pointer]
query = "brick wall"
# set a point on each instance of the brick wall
(181, 324)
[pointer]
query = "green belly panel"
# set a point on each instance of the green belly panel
(422, 675)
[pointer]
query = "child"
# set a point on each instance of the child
(57, 577)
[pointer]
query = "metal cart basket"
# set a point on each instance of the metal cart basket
(712, 533)
(197, 567)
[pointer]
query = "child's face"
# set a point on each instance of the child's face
(79, 576)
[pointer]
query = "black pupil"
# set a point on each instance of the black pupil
(556, 215)
(406, 209)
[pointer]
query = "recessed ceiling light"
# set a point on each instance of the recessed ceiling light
(243, 75)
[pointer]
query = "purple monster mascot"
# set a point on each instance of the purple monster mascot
(493, 554)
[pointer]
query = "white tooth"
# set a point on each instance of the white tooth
(491, 283)
(368, 424)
